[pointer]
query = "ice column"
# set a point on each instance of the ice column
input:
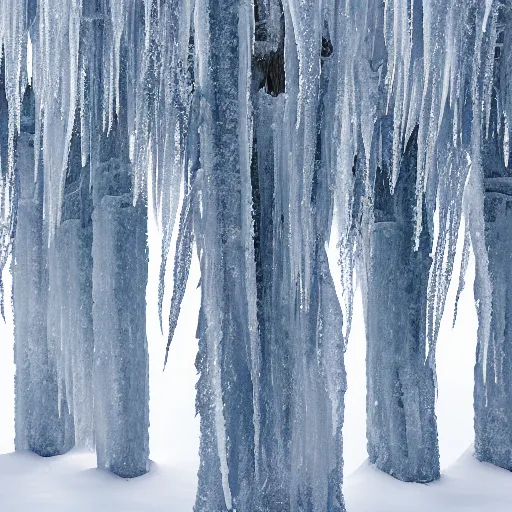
(493, 369)
(70, 326)
(120, 375)
(302, 381)
(226, 331)
(119, 255)
(401, 422)
(43, 422)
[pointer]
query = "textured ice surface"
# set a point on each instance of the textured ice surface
(493, 377)
(43, 422)
(120, 372)
(493, 417)
(70, 322)
(273, 118)
(226, 475)
(402, 434)
(70, 329)
(493, 370)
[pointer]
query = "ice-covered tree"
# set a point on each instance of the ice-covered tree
(88, 230)
(402, 432)
(493, 370)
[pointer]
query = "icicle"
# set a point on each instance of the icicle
(183, 258)
(246, 47)
(463, 269)
(13, 48)
(449, 204)
(57, 93)
(303, 39)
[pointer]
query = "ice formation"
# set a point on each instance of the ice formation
(493, 370)
(119, 251)
(81, 355)
(274, 124)
(43, 422)
(402, 432)
(69, 311)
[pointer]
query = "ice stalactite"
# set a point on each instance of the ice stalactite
(402, 432)
(493, 375)
(161, 137)
(56, 91)
(43, 422)
(301, 346)
(303, 319)
(16, 19)
(355, 97)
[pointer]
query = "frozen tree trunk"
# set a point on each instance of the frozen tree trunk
(493, 369)
(302, 352)
(120, 375)
(120, 372)
(121, 391)
(70, 298)
(225, 386)
(401, 422)
(301, 347)
(43, 422)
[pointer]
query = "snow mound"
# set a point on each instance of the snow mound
(70, 483)
(468, 485)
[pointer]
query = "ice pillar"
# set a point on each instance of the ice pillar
(227, 331)
(70, 298)
(302, 379)
(119, 257)
(493, 369)
(43, 422)
(120, 375)
(401, 421)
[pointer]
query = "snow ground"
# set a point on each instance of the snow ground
(70, 483)
(466, 486)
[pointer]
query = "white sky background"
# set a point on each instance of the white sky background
(174, 430)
